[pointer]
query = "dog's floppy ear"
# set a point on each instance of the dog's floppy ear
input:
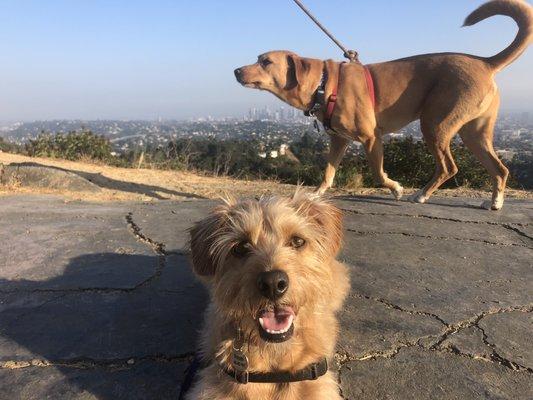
(297, 68)
(204, 234)
(326, 216)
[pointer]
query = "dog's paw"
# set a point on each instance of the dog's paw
(418, 197)
(397, 192)
(492, 205)
(321, 190)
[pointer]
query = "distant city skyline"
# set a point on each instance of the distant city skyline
(275, 112)
(138, 60)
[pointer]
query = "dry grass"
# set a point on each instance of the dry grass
(127, 184)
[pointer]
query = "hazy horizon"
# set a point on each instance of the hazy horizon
(195, 118)
(132, 60)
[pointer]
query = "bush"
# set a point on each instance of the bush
(71, 146)
(406, 160)
(521, 168)
(409, 162)
(10, 147)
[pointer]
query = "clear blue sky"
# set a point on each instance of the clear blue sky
(144, 59)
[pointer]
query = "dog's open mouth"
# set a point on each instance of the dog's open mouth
(276, 324)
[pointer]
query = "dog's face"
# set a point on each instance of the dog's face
(269, 262)
(283, 73)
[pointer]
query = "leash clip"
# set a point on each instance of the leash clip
(316, 125)
(320, 95)
(352, 55)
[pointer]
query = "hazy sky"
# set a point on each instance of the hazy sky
(127, 59)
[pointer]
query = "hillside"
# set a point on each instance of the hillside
(126, 184)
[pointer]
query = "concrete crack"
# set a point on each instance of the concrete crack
(474, 322)
(453, 329)
(398, 308)
(341, 358)
(40, 306)
(157, 247)
(91, 363)
(108, 290)
(432, 237)
(516, 230)
(495, 356)
(406, 215)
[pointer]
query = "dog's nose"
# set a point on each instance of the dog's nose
(273, 284)
(237, 73)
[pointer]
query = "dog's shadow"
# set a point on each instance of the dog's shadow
(391, 202)
(129, 342)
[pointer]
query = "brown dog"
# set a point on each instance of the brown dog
(275, 288)
(450, 93)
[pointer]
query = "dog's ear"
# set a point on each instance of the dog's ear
(204, 234)
(326, 216)
(297, 68)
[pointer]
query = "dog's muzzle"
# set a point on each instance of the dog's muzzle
(275, 323)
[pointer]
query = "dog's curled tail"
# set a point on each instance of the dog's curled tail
(518, 10)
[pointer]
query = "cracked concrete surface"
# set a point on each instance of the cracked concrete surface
(98, 302)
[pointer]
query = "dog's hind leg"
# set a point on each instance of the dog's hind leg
(337, 149)
(374, 153)
(438, 137)
(477, 135)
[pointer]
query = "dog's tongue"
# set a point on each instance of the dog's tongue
(279, 319)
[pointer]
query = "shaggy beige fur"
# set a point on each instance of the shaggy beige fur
(300, 236)
(449, 92)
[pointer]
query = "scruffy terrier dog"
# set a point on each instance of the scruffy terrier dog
(275, 287)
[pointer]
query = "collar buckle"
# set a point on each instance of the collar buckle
(241, 377)
(314, 372)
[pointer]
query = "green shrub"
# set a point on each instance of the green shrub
(405, 160)
(71, 146)
(521, 168)
(409, 162)
(10, 147)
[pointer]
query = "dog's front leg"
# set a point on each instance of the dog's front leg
(337, 149)
(374, 153)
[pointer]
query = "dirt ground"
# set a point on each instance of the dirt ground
(128, 184)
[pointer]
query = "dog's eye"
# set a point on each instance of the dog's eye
(297, 242)
(265, 62)
(241, 249)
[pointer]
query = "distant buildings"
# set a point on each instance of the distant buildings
(273, 129)
(273, 153)
(280, 114)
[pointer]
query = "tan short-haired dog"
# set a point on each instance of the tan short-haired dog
(449, 92)
(275, 287)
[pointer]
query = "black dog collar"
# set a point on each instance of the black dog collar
(319, 97)
(309, 373)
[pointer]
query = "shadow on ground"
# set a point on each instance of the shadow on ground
(114, 184)
(126, 343)
(398, 203)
